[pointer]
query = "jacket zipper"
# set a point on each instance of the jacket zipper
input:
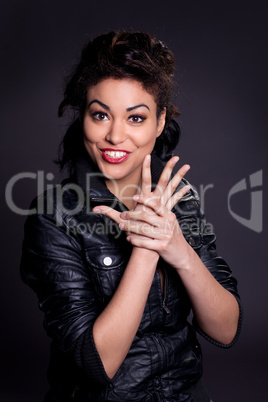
(99, 199)
(165, 293)
(76, 389)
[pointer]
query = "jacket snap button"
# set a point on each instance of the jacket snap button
(191, 241)
(107, 261)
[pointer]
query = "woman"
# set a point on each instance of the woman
(121, 254)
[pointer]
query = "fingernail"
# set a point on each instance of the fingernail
(175, 160)
(123, 215)
(97, 210)
(186, 168)
(136, 197)
(148, 158)
(121, 225)
(128, 238)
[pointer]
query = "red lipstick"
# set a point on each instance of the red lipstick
(114, 155)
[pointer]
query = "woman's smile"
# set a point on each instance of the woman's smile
(114, 155)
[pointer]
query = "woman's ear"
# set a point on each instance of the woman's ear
(161, 122)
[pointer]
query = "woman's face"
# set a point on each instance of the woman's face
(120, 127)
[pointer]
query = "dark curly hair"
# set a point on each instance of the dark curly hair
(132, 55)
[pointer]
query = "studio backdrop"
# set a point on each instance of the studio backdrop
(221, 75)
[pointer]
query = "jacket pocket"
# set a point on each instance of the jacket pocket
(106, 265)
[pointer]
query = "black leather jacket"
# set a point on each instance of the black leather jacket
(74, 259)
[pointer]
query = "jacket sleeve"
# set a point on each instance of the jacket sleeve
(200, 236)
(52, 265)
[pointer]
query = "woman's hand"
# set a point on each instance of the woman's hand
(151, 224)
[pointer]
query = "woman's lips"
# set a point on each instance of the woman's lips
(114, 155)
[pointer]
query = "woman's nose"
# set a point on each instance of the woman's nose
(116, 133)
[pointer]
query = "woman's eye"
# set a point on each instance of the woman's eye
(136, 119)
(100, 116)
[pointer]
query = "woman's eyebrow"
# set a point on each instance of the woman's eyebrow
(137, 106)
(108, 108)
(100, 103)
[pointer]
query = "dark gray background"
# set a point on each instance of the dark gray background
(221, 57)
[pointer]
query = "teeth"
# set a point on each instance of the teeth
(115, 154)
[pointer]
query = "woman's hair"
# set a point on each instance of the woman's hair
(121, 55)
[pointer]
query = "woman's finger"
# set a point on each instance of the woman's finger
(144, 229)
(154, 203)
(176, 197)
(146, 183)
(165, 176)
(142, 216)
(173, 184)
(107, 211)
(143, 242)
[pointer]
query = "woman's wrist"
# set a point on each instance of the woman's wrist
(148, 255)
(188, 261)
